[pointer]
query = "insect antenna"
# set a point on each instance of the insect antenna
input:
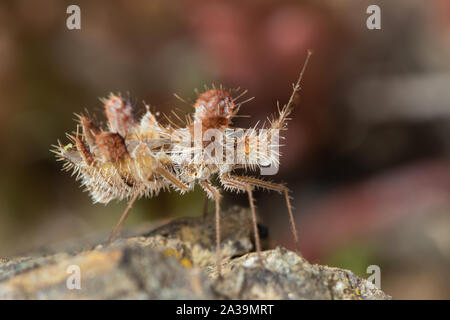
(287, 108)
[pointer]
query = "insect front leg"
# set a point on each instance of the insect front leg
(172, 179)
(205, 206)
(278, 187)
(233, 183)
(213, 193)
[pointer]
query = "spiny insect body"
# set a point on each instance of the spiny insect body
(134, 158)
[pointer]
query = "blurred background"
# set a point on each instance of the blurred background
(367, 153)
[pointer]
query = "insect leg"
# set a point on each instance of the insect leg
(278, 187)
(166, 174)
(172, 179)
(122, 218)
(212, 192)
(229, 181)
(205, 206)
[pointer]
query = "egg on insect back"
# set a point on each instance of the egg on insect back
(214, 108)
(120, 114)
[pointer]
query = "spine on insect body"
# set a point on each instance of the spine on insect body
(133, 157)
(214, 109)
(123, 160)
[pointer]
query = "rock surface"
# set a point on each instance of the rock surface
(177, 261)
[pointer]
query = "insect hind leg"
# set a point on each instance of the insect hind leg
(122, 219)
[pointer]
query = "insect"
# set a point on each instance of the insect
(134, 158)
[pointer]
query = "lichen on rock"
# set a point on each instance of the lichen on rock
(177, 261)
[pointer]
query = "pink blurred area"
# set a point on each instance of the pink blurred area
(389, 199)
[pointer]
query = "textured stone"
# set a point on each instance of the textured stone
(177, 261)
